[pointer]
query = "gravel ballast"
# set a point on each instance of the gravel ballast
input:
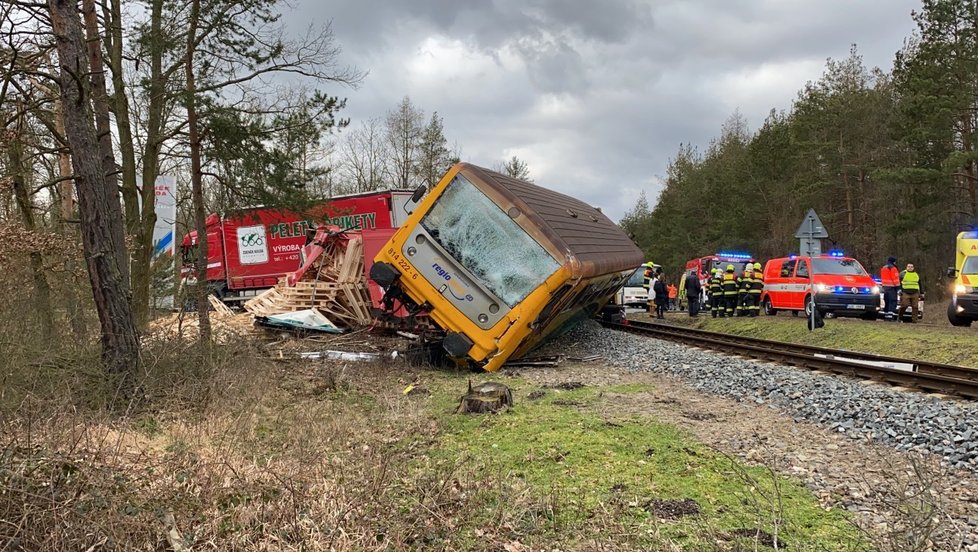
(906, 420)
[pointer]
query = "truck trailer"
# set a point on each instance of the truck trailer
(249, 250)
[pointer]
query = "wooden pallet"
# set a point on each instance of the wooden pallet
(336, 287)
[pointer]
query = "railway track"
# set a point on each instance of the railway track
(924, 376)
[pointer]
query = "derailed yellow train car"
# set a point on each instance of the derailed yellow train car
(499, 264)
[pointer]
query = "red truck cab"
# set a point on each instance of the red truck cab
(838, 285)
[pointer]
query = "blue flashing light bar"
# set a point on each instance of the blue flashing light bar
(729, 255)
(837, 253)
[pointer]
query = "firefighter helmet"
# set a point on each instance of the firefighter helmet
(730, 268)
(757, 266)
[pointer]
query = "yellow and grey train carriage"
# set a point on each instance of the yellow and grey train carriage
(499, 264)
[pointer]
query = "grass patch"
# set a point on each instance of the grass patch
(916, 341)
(585, 475)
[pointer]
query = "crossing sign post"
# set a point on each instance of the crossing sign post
(810, 234)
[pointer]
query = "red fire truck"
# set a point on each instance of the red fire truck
(250, 250)
(703, 266)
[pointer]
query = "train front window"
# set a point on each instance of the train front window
(487, 242)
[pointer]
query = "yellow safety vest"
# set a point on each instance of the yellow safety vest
(911, 281)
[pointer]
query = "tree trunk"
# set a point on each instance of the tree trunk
(196, 179)
(76, 314)
(100, 101)
(42, 290)
(143, 254)
(139, 265)
(100, 228)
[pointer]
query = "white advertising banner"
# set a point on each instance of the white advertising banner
(164, 233)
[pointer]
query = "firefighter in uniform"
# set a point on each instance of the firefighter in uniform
(729, 284)
(716, 293)
(757, 286)
(744, 283)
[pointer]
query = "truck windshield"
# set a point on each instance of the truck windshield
(637, 278)
(722, 265)
(487, 242)
(837, 267)
(970, 266)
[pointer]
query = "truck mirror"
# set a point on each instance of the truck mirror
(951, 273)
(415, 198)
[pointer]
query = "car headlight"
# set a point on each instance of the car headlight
(875, 290)
(960, 288)
(822, 288)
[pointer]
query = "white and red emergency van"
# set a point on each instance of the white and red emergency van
(838, 285)
(249, 251)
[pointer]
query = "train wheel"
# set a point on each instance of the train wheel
(768, 308)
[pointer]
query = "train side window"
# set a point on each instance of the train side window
(788, 268)
(802, 270)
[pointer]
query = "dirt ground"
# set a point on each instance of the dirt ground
(893, 495)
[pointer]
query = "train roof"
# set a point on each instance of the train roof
(571, 225)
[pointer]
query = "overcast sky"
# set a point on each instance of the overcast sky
(596, 95)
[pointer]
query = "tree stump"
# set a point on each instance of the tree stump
(485, 397)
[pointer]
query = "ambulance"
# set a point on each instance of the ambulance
(838, 284)
(963, 308)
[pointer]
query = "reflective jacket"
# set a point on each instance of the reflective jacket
(910, 282)
(729, 283)
(757, 284)
(889, 276)
(716, 285)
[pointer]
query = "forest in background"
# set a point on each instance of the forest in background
(887, 160)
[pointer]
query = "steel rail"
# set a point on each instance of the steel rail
(927, 376)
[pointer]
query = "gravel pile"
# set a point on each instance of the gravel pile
(906, 420)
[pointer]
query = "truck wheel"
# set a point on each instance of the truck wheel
(769, 308)
(808, 305)
(956, 320)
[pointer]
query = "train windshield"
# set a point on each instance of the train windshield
(970, 266)
(837, 267)
(487, 242)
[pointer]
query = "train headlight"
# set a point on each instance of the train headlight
(483, 318)
(960, 288)
(411, 251)
(493, 308)
(875, 290)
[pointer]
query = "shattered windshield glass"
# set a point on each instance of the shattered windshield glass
(489, 244)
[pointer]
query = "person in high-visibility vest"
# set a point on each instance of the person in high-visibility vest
(716, 293)
(890, 281)
(647, 275)
(910, 291)
(729, 284)
(744, 283)
(757, 286)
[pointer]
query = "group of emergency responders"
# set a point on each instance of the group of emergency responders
(727, 294)
(732, 295)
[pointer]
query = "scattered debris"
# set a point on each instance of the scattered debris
(220, 309)
(407, 335)
(346, 355)
(309, 320)
(672, 509)
(566, 385)
(528, 362)
(485, 397)
(562, 402)
(534, 395)
(589, 358)
(331, 280)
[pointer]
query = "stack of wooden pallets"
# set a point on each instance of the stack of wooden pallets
(334, 284)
